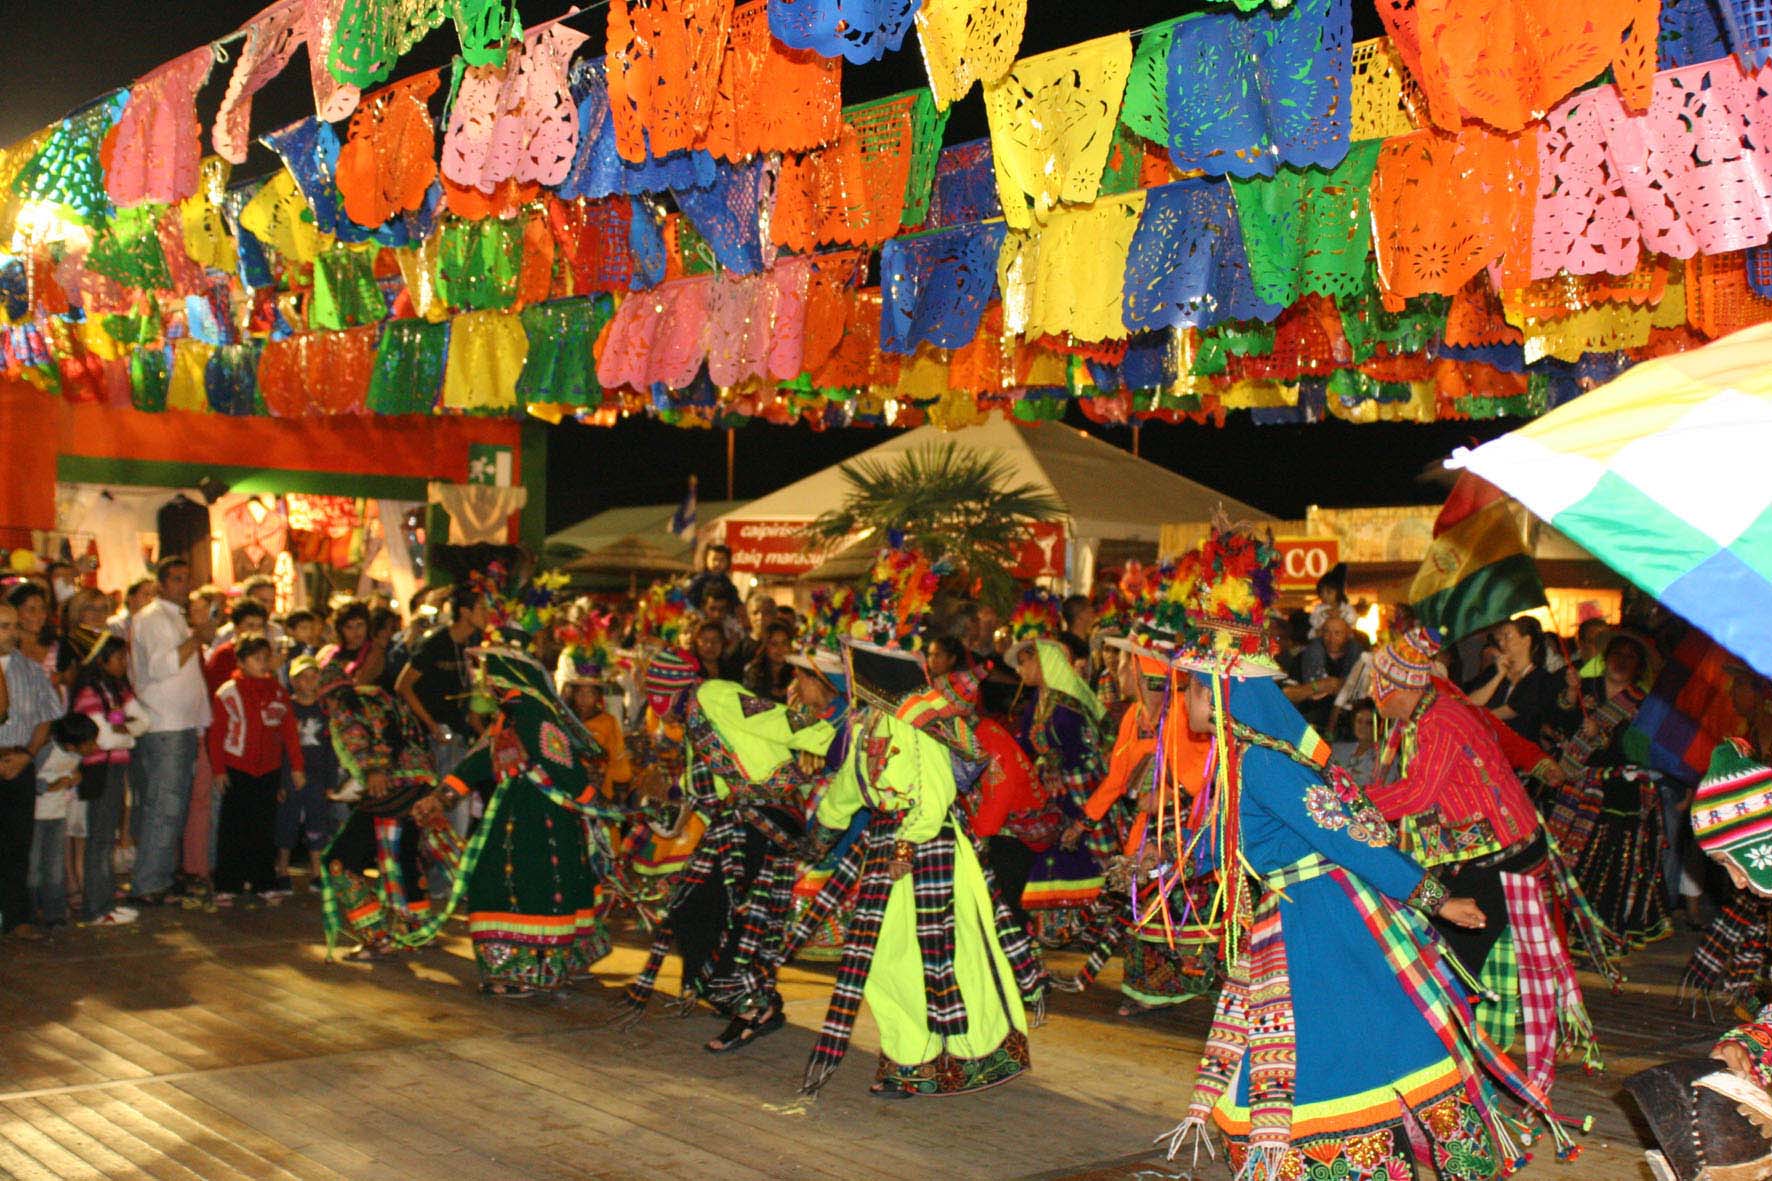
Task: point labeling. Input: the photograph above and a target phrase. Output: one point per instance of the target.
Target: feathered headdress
(1230, 604)
(1157, 611)
(663, 614)
(519, 616)
(1113, 607)
(832, 618)
(895, 604)
(1037, 616)
(586, 655)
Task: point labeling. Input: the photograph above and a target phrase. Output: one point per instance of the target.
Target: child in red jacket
(253, 733)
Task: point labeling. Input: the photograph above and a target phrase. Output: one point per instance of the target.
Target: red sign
(772, 549)
(1303, 560)
(1042, 554)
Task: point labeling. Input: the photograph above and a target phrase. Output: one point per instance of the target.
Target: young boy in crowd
(253, 736)
(72, 737)
(303, 629)
(585, 698)
(306, 811)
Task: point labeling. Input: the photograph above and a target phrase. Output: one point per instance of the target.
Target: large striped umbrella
(1666, 476)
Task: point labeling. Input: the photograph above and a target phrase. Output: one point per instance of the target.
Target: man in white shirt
(166, 664)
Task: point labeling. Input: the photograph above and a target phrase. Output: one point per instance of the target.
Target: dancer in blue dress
(1333, 946)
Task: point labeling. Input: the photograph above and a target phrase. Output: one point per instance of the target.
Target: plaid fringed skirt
(926, 954)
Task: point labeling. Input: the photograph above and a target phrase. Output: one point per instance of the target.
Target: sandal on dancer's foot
(1062, 983)
(742, 1031)
(1131, 1009)
(886, 1090)
(369, 953)
(512, 992)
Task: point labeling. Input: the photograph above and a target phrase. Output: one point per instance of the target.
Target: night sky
(56, 56)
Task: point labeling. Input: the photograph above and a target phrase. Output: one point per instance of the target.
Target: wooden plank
(239, 1039)
(706, 1099)
(656, 1123)
(17, 1165)
(486, 1129)
(629, 1150)
(89, 1118)
(122, 1111)
(98, 1156)
(312, 1128)
(220, 1137)
(378, 1103)
(329, 1128)
(31, 1064)
(94, 1026)
(76, 1043)
(164, 1035)
(34, 1143)
(275, 1157)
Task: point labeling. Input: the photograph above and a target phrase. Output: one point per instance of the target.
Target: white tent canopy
(1108, 494)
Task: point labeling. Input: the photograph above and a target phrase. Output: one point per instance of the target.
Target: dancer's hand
(375, 784)
(898, 869)
(1463, 912)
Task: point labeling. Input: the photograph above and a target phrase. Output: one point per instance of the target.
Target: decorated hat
(896, 602)
(881, 676)
(522, 615)
(662, 615)
(1732, 812)
(832, 618)
(1038, 616)
(670, 675)
(335, 674)
(824, 664)
(1157, 609)
(1113, 605)
(1407, 662)
(1229, 605)
(944, 712)
(586, 657)
(1652, 658)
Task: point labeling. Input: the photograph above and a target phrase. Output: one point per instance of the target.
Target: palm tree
(949, 502)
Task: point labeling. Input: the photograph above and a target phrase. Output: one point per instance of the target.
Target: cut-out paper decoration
(861, 31)
(664, 72)
(1186, 266)
(968, 41)
(1052, 124)
(1507, 62)
(158, 140)
(1246, 93)
(934, 286)
(771, 98)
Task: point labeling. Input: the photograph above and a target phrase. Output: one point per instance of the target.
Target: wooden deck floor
(201, 1045)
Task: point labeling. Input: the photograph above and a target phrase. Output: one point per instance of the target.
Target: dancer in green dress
(531, 871)
(925, 945)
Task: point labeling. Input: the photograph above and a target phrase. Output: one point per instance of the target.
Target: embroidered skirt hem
(948, 1074)
(1371, 1135)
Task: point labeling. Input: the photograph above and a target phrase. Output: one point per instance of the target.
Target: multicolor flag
(1666, 476)
(1478, 571)
(1690, 709)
